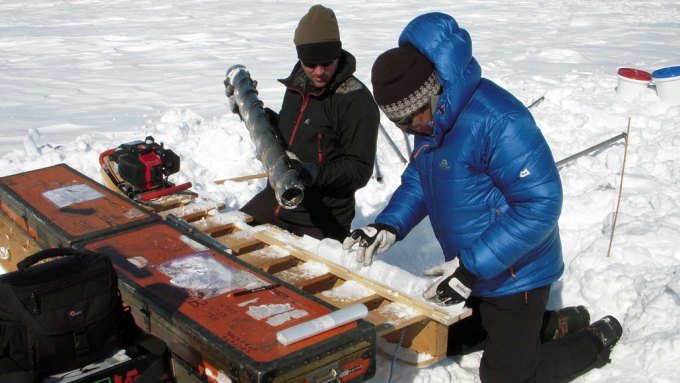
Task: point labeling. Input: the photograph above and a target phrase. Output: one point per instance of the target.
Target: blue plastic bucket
(667, 81)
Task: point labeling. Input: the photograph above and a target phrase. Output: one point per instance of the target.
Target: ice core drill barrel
(283, 178)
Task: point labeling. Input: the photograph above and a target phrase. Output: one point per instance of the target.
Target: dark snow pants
(508, 329)
(262, 208)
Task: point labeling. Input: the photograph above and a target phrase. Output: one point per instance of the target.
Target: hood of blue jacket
(449, 48)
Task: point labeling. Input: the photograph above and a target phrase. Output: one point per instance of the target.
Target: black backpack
(60, 315)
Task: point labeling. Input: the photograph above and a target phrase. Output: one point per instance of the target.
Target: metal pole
(378, 175)
(593, 148)
(283, 178)
(392, 144)
(407, 140)
(540, 100)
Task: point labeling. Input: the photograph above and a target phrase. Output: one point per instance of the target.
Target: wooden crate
(59, 206)
(220, 334)
(15, 243)
(276, 251)
(421, 328)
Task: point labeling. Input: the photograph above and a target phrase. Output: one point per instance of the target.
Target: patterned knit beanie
(317, 36)
(403, 81)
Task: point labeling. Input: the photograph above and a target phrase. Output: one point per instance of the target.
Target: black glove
(307, 172)
(376, 238)
(454, 286)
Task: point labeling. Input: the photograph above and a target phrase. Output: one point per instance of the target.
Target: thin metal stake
(392, 144)
(540, 100)
(396, 352)
(377, 174)
(564, 161)
(407, 140)
(618, 202)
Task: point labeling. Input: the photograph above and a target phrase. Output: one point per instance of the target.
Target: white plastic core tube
(321, 324)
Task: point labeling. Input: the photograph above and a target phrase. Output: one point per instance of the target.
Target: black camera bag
(60, 315)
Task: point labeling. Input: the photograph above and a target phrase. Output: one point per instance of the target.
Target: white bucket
(667, 81)
(632, 82)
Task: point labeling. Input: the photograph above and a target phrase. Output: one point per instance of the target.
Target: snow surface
(82, 76)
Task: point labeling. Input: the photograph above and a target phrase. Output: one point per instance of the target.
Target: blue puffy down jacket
(486, 178)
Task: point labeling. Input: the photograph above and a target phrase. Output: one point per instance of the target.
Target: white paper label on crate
(282, 318)
(321, 324)
(72, 194)
(133, 213)
(264, 311)
(138, 261)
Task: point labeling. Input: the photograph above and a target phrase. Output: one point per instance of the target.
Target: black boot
(605, 332)
(567, 320)
(608, 331)
(589, 348)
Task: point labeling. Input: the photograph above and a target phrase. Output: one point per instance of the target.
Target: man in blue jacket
(483, 174)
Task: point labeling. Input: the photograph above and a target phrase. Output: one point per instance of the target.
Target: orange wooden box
(59, 206)
(218, 332)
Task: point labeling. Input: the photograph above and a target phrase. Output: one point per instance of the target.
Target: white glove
(454, 285)
(375, 238)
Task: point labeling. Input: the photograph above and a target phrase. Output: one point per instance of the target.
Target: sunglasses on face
(408, 120)
(310, 65)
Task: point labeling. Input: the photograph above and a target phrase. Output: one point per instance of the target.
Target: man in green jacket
(329, 125)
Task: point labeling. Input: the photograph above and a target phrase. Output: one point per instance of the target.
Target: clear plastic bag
(205, 277)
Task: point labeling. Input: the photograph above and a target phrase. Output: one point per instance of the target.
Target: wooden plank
(424, 328)
(349, 293)
(305, 274)
(320, 283)
(422, 341)
(275, 236)
(221, 223)
(270, 259)
(171, 201)
(425, 337)
(242, 178)
(407, 355)
(422, 336)
(396, 315)
(15, 244)
(193, 211)
(241, 241)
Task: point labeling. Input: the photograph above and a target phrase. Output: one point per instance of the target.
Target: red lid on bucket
(635, 74)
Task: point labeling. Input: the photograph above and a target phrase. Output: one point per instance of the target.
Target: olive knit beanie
(403, 81)
(317, 36)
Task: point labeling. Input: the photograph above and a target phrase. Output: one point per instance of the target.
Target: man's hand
(307, 172)
(454, 285)
(373, 239)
